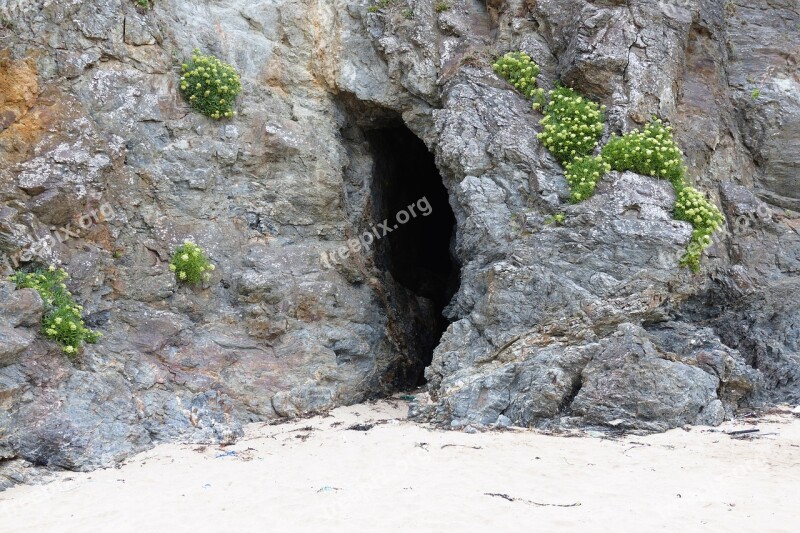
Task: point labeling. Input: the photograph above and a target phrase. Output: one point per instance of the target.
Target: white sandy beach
(318, 475)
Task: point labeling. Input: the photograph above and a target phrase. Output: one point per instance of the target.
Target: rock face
(105, 169)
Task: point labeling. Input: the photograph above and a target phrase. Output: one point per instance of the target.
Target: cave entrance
(409, 197)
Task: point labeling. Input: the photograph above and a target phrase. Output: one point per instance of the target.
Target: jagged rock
(632, 378)
(20, 308)
(13, 343)
(764, 326)
(19, 312)
(18, 471)
(629, 382)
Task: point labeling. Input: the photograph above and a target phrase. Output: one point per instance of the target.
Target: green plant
(583, 174)
(692, 207)
(442, 6)
(407, 13)
(62, 320)
(210, 85)
(756, 94)
(143, 3)
(190, 264)
(556, 219)
(653, 152)
(650, 152)
(518, 69)
(382, 4)
(572, 124)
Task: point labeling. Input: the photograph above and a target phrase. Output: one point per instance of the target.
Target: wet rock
(763, 327)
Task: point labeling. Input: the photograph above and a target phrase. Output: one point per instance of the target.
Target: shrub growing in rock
(650, 152)
(381, 4)
(556, 220)
(653, 152)
(572, 124)
(190, 264)
(518, 69)
(692, 206)
(583, 174)
(442, 6)
(210, 85)
(62, 320)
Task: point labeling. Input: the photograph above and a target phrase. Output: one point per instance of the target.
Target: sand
(318, 475)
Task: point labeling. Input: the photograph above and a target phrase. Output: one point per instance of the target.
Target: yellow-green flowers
(693, 207)
(210, 85)
(653, 152)
(442, 6)
(381, 4)
(582, 175)
(649, 152)
(62, 320)
(518, 69)
(556, 219)
(572, 128)
(190, 264)
(572, 125)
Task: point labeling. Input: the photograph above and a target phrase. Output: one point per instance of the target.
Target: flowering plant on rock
(705, 218)
(583, 174)
(650, 152)
(62, 320)
(572, 123)
(210, 85)
(190, 264)
(521, 72)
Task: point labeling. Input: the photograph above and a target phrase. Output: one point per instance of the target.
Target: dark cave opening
(409, 197)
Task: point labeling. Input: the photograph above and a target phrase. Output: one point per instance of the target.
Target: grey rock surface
(589, 322)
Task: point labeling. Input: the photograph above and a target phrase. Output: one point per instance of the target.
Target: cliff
(550, 313)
